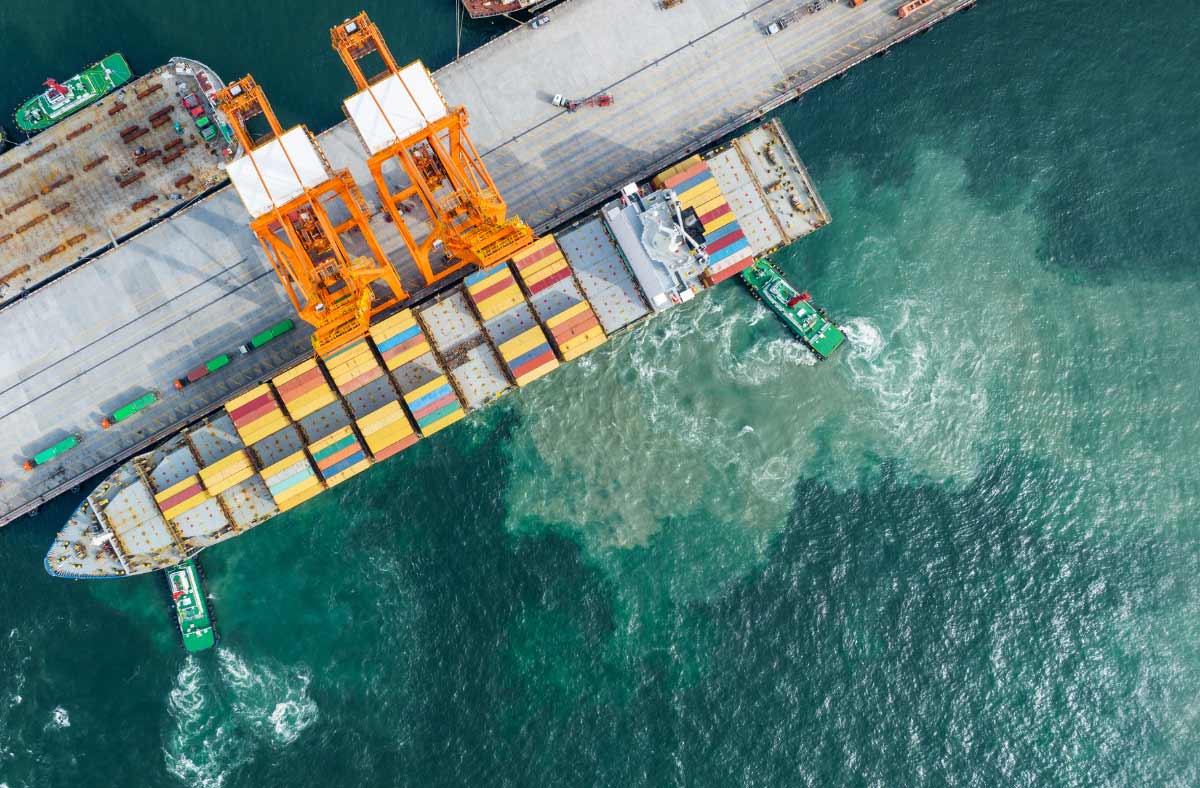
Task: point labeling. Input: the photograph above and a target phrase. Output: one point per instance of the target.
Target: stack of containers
(226, 472)
(556, 298)
(506, 315)
(256, 414)
(339, 456)
(434, 405)
(291, 481)
(694, 185)
(352, 367)
(399, 339)
(387, 431)
(303, 389)
(181, 497)
(493, 291)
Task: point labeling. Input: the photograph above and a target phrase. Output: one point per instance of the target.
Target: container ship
(62, 99)
(502, 309)
(796, 309)
(105, 168)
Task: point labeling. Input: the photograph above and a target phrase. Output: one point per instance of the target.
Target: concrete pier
(197, 284)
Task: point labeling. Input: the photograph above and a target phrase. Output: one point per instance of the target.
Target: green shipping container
(127, 410)
(217, 363)
(62, 447)
(280, 328)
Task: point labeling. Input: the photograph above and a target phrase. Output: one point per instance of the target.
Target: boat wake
(222, 715)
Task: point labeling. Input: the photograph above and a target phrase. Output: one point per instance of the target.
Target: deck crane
(308, 218)
(402, 119)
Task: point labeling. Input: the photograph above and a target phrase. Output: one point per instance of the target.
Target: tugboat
(191, 609)
(66, 98)
(807, 321)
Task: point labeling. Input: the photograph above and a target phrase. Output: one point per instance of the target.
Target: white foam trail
(223, 715)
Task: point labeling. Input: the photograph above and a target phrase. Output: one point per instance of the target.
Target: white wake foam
(223, 715)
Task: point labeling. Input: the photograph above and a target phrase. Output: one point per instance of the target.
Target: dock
(196, 285)
(103, 174)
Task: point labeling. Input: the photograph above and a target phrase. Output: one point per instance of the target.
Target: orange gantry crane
(311, 220)
(406, 127)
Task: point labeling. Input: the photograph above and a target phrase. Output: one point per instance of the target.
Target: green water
(963, 552)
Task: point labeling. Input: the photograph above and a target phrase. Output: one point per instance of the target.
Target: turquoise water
(962, 553)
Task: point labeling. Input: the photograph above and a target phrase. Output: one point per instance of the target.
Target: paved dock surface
(61, 193)
(197, 285)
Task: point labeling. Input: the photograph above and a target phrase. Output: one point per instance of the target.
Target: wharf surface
(197, 284)
(76, 189)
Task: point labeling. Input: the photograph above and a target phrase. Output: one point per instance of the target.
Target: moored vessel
(62, 99)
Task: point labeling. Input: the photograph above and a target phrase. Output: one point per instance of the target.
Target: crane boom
(406, 127)
(293, 197)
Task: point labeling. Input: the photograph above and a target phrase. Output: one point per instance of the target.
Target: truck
(212, 365)
(129, 409)
(265, 336)
(57, 450)
(572, 105)
(793, 16)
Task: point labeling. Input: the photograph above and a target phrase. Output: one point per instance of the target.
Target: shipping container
(57, 450)
(399, 339)
(387, 431)
(303, 389)
(557, 300)
(339, 456)
(181, 497)
(256, 414)
(434, 405)
(353, 367)
(292, 480)
(129, 409)
(226, 472)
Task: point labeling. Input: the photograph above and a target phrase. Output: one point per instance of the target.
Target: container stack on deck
(510, 324)
(557, 300)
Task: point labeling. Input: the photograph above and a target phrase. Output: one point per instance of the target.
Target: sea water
(963, 551)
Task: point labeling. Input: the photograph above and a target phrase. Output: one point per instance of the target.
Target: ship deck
(196, 285)
(63, 199)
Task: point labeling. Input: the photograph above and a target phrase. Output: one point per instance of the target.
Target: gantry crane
(402, 119)
(293, 195)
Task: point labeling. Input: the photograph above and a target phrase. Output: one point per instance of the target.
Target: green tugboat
(807, 321)
(191, 609)
(65, 98)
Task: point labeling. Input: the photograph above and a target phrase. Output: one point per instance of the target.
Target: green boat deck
(97, 80)
(807, 322)
(191, 609)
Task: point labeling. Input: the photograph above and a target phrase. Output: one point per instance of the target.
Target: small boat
(191, 608)
(62, 99)
(806, 320)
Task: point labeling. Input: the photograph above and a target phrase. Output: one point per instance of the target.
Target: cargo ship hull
(62, 100)
(283, 441)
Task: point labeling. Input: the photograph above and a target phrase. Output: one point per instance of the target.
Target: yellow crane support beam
(403, 120)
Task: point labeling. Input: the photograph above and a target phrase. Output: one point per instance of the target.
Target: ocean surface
(964, 552)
